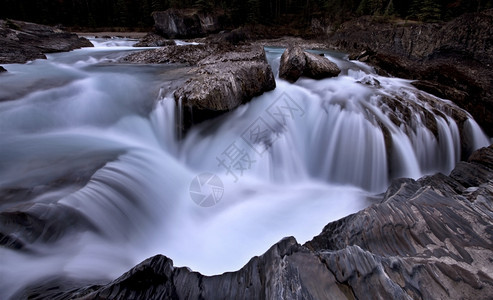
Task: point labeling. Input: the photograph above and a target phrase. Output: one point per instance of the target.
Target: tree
(204, 5)
(426, 11)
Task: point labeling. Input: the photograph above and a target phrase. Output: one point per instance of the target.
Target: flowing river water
(285, 164)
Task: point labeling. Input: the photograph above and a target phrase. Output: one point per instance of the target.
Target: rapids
(285, 164)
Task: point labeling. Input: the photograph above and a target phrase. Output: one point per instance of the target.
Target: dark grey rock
(319, 67)
(452, 60)
(296, 63)
(186, 23)
(223, 82)
(154, 40)
(2, 69)
(293, 62)
(225, 77)
(22, 41)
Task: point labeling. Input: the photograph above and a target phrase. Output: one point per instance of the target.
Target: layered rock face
(451, 60)
(224, 77)
(426, 239)
(186, 23)
(296, 63)
(223, 82)
(22, 41)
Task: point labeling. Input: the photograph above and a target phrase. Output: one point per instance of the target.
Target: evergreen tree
(122, 9)
(426, 11)
(389, 10)
(204, 5)
(253, 11)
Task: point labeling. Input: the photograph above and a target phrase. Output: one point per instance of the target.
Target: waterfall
(91, 150)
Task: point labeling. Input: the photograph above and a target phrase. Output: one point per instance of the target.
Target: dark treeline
(137, 13)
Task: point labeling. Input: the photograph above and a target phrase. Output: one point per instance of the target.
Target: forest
(137, 13)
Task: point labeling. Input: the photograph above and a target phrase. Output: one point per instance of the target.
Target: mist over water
(288, 162)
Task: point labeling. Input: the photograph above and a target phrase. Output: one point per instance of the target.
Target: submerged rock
(426, 239)
(22, 41)
(296, 63)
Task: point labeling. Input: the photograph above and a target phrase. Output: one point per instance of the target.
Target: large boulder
(222, 83)
(425, 239)
(22, 41)
(296, 63)
(319, 67)
(293, 62)
(186, 23)
(224, 77)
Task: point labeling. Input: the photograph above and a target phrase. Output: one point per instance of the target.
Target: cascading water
(286, 163)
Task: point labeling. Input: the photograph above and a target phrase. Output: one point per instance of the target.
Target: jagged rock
(153, 40)
(319, 67)
(186, 23)
(296, 63)
(2, 69)
(223, 82)
(454, 60)
(426, 239)
(22, 41)
(293, 62)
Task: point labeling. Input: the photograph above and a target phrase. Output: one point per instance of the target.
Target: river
(96, 179)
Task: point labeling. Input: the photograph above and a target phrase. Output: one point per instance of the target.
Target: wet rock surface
(223, 82)
(296, 63)
(451, 60)
(293, 63)
(224, 77)
(427, 239)
(22, 41)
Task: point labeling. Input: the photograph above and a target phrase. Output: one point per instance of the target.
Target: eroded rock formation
(186, 23)
(22, 41)
(223, 82)
(452, 60)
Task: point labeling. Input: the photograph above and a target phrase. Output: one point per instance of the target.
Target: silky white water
(285, 164)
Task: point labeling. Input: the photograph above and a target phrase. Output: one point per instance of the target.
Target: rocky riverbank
(21, 42)
(452, 60)
(426, 239)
